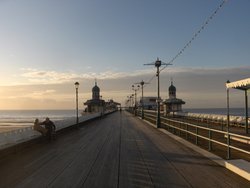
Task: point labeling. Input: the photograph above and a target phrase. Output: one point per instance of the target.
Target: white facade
(149, 103)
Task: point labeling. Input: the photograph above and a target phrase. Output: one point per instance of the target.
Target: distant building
(149, 103)
(172, 104)
(95, 104)
(112, 105)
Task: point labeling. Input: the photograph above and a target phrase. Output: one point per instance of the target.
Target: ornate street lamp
(228, 124)
(157, 64)
(77, 118)
(142, 98)
(135, 89)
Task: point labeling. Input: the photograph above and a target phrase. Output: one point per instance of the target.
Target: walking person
(50, 126)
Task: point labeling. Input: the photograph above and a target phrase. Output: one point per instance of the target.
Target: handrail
(205, 138)
(208, 129)
(151, 114)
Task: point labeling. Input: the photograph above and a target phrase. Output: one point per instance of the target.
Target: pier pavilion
(96, 104)
(172, 104)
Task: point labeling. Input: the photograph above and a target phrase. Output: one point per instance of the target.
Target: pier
(117, 150)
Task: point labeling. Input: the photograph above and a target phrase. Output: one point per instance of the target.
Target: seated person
(39, 128)
(51, 128)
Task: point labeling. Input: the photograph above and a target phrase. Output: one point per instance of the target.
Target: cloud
(32, 95)
(42, 93)
(199, 87)
(47, 77)
(188, 79)
(35, 76)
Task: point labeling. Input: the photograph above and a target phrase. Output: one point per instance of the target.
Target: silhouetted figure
(39, 128)
(50, 126)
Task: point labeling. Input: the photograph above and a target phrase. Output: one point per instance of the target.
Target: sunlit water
(25, 118)
(12, 119)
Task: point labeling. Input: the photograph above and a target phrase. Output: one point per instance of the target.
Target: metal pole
(158, 120)
(209, 142)
(77, 118)
(131, 103)
(135, 101)
(142, 103)
(196, 133)
(246, 104)
(135, 98)
(228, 124)
(157, 64)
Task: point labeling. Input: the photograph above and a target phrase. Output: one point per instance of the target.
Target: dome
(172, 91)
(96, 92)
(172, 88)
(95, 89)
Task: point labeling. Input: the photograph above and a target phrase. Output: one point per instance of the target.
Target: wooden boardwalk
(115, 151)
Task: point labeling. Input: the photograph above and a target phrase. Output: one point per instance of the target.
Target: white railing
(17, 136)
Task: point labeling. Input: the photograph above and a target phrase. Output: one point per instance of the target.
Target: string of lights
(197, 33)
(203, 26)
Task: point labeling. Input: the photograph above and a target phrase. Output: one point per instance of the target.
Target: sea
(10, 119)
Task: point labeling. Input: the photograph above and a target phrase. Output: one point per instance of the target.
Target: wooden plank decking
(115, 151)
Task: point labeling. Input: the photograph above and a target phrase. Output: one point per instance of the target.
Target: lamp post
(128, 102)
(135, 89)
(77, 118)
(142, 98)
(158, 64)
(246, 106)
(228, 124)
(132, 102)
(158, 121)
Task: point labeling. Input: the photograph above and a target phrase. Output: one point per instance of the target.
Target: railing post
(180, 129)
(209, 142)
(228, 124)
(246, 104)
(196, 138)
(186, 132)
(228, 147)
(168, 128)
(175, 130)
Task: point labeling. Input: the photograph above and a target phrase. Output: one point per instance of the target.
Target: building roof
(94, 102)
(174, 101)
(240, 84)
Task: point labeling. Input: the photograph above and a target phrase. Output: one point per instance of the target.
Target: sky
(46, 46)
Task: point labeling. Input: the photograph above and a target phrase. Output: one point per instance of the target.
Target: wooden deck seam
(91, 168)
